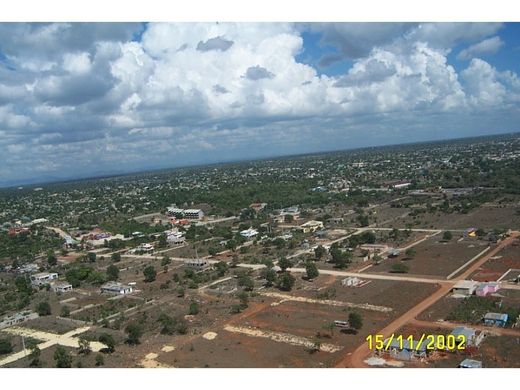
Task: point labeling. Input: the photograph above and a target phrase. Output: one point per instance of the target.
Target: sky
(90, 99)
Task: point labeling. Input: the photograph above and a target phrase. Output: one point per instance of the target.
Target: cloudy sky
(86, 99)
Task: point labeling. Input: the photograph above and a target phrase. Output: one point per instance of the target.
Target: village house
(198, 264)
(61, 287)
(43, 278)
(17, 318)
(405, 350)
(486, 288)
(465, 287)
(310, 226)
(496, 319)
(249, 233)
(116, 288)
(470, 363)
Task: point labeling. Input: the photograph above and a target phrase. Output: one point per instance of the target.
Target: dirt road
(453, 325)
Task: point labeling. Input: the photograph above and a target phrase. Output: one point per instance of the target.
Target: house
(175, 237)
(486, 288)
(374, 247)
(470, 363)
(469, 334)
(17, 318)
(257, 206)
(193, 214)
(43, 278)
(351, 281)
(175, 212)
(147, 248)
(293, 211)
(198, 264)
(496, 319)
(465, 287)
(404, 349)
(249, 233)
(310, 226)
(61, 287)
(116, 288)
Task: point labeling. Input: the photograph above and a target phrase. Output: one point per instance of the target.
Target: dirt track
(356, 359)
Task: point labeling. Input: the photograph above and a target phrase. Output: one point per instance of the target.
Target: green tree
(52, 260)
(34, 356)
(194, 308)
(5, 347)
(168, 324)
(116, 257)
(399, 268)
(410, 252)
(65, 311)
(285, 263)
(109, 341)
(162, 243)
(319, 252)
(149, 273)
(311, 270)
(134, 333)
(43, 309)
(247, 282)
(269, 275)
(244, 299)
(447, 235)
(84, 346)
(212, 251)
(91, 256)
(165, 261)
(355, 321)
(222, 268)
(100, 360)
(62, 358)
(286, 281)
(180, 292)
(112, 272)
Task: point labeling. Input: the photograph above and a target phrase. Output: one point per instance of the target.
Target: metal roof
(496, 316)
(470, 363)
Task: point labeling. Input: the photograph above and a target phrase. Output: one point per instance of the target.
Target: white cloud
(77, 63)
(482, 84)
(486, 47)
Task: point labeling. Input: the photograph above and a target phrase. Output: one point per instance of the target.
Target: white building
(147, 248)
(198, 264)
(61, 287)
(249, 233)
(116, 288)
(351, 282)
(175, 237)
(465, 287)
(43, 278)
(193, 214)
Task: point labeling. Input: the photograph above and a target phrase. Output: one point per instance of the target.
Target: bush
(194, 308)
(399, 268)
(43, 309)
(446, 236)
(149, 273)
(5, 347)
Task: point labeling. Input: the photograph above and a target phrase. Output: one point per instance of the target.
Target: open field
(508, 258)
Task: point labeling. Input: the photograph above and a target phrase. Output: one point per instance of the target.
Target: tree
(112, 272)
(316, 345)
(355, 321)
(330, 326)
(319, 252)
(194, 308)
(269, 275)
(65, 311)
(35, 357)
(244, 299)
(62, 357)
(212, 251)
(399, 268)
(288, 218)
(116, 257)
(149, 273)
(100, 360)
(52, 260)
(339, 258)
(91, 256)
(134, 333)
(109, 341)
(286, 281)
(247, 282)
(222, 268)
(165, 261)
(5, 347)
(410, 252)
(168, 324)
(84, 346)
(180, 292)
(43, 308)
(447, 235)
(311, 270)
(162, 241)
(285, 263)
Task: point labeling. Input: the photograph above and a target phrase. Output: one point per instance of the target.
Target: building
(257, 206)
(486, 288)
(175, 212)
(293, 211)
(351, 281)
(116, 288)
(43, 278)
(404, 350)
(193, 214)
(310, 226)
(249, 233)
(17, 318)
(465, 287)
(198, 264)
(61, 287)
(374, 247)
(470, 363)
(147, 248)
(175, 237)
(496, 319)
(470, 336)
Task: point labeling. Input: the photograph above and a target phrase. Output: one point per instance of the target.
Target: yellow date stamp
(429, 342)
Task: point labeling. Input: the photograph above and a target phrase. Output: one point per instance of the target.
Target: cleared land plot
(507, 258)
(51, 324)
(434, 257)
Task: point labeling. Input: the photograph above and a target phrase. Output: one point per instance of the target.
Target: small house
(469, 334)
(470, 363)
(43, 278)
(496, 319)
(249, 233)
(61, 287)
(465, 287)
(116, 288)
(351, 281)
(404, 349)
(484, 289)
(197, 264)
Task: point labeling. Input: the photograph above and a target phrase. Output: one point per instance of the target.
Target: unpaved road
(453, 325)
